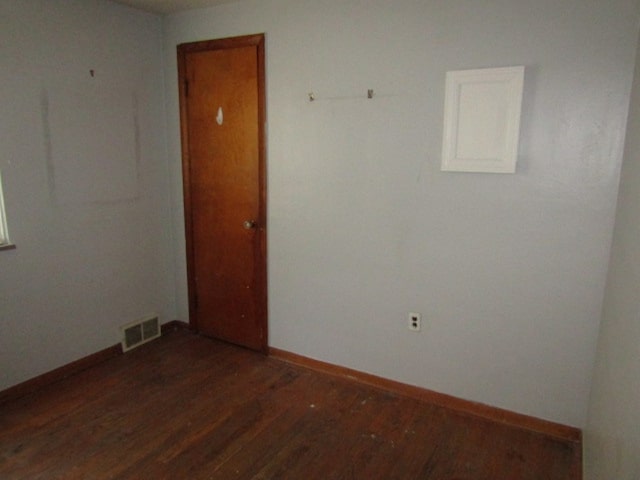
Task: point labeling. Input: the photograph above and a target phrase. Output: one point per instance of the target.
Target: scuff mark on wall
(137, 148)
(46, 137)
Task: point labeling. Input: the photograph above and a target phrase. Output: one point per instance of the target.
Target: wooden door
(222, 110)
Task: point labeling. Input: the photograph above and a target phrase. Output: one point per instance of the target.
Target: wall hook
(370, 93)
(312, 96)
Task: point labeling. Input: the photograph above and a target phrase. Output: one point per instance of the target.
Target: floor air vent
(142, 331)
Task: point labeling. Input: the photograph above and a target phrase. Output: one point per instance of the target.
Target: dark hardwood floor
(186, 407)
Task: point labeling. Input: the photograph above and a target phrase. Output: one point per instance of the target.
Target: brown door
(222, 111)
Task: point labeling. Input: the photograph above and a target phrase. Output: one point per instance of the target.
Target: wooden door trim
(257, 40)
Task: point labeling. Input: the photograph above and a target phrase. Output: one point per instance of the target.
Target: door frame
(260, 246)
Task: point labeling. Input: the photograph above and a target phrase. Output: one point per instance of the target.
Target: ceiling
(170, 6)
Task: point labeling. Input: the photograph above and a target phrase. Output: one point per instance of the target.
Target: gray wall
(507, 270)
(612, 435)
(83, 162)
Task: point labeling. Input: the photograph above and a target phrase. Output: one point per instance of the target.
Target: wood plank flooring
(187, 407)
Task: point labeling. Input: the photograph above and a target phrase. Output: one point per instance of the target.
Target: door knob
(249, 224)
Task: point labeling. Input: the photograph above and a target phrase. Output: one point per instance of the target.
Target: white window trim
(4, 232)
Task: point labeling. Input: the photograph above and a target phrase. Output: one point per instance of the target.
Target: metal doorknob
(249, 224)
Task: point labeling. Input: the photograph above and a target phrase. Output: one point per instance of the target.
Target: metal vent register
(139, 332)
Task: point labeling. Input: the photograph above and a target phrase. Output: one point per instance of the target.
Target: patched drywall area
(83, 161)
(92, 142)
(508, 271)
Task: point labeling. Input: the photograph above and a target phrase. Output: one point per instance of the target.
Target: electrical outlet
(415, 319)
